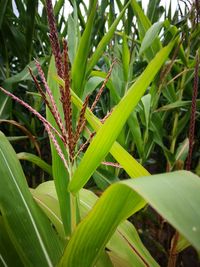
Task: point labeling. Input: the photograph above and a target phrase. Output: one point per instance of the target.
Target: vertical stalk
(73, 206)
(193, 113)
(173, 253)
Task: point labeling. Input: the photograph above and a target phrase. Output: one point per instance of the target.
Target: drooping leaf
(36, 160)
(122, 241)
(174, 195)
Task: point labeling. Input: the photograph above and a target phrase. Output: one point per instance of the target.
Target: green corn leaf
(136, 132)
(28, 228)
(8, 253)
(174, 195)
(91, 85)
(126, 243)
(152, 9)
(79, 66)
(104, 261)
(133, 168)
(143, 25)
(122, 241)
(150, 36)
(50, 206)
(32, 6)
(125, 57)
(132, 121)
(146, 103)
(36, 160)
(24, 75)
(58, 5)
(73, 33)
(177, 104)
(104, 139)
(46, 197)
(130, 165)
(103, 178)
(182, 150)
(117, 260)
(60, 174)
(104, 41)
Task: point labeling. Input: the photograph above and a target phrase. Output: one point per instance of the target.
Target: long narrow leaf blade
(143, 26)
(60, 175)
(131, 166)
(105, 40)
(79, 65)
(108, 133)
(36, 160)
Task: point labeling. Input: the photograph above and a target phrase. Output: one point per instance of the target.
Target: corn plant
(62, 224)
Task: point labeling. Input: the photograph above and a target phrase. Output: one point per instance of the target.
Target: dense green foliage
(146, 120)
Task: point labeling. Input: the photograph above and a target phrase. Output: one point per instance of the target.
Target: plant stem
(173, 253)
(193, 113)
(73, 205)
